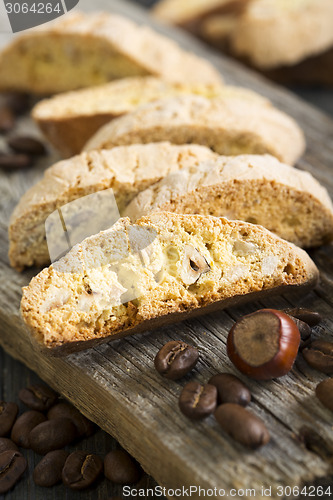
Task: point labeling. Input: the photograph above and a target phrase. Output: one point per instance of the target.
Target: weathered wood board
(116, 386)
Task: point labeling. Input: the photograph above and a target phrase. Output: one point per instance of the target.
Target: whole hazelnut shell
(280, 330)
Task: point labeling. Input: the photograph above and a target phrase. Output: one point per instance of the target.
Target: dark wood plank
(115, 384)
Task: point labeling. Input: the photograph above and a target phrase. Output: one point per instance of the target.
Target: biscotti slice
(81, 50)
(127, 170)
(189, 14)
(283, 32)
(257, 189)
(68, 120)
(164, 268)
(229, 125)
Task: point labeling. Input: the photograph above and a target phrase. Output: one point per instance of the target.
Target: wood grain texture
(116, 386)
(100, 443)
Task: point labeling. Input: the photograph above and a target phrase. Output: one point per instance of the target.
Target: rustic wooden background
(116, 384)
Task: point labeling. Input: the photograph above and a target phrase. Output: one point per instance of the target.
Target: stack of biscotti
(126, 170)
(288, 39)
(70, 119)
(164, 268)
(81, 50)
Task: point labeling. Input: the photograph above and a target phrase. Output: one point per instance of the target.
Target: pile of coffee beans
(22, 150)
(226, 396)
(47, 427)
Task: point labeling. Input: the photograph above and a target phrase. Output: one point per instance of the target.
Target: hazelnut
(264, 345)
(193, 266)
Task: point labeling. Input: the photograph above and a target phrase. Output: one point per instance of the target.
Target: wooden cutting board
(116, 386)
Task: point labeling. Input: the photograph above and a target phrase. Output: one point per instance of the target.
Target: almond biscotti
(81, 50)
(69, 120)
(283, 32)
(257, 189)
(189, 14)
(127, 170)
(164, 268)
(229, 125)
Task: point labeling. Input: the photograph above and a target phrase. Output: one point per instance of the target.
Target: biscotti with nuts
(81, 50)
(69, 120)
(229, 125)
(127, 170)
(164, 268)
(257, 189)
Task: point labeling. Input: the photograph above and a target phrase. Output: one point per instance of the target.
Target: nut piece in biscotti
(81, 50)
(190, 14)
(70, 119)
(229, 125)
(166, 267)
(127, 170)
(254, 188)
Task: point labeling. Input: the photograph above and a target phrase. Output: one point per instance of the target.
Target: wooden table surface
(285, 405)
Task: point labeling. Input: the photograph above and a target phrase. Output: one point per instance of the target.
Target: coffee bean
(52, 435)
(230, 389)
(319, 355)
(38, 397)
(121, 468)
(324, 392)
(24, 425)
(19, 103)
(12, 466)
(81, 470)
(48, 471)
(25, 144)
(304, 328)
(15, 162)
(7, 119)
(198, 401)
(315, 443)
(241, 425)
(85, 427)
(312, 318)
(175, 359)
(7, 444)
(8, 414)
